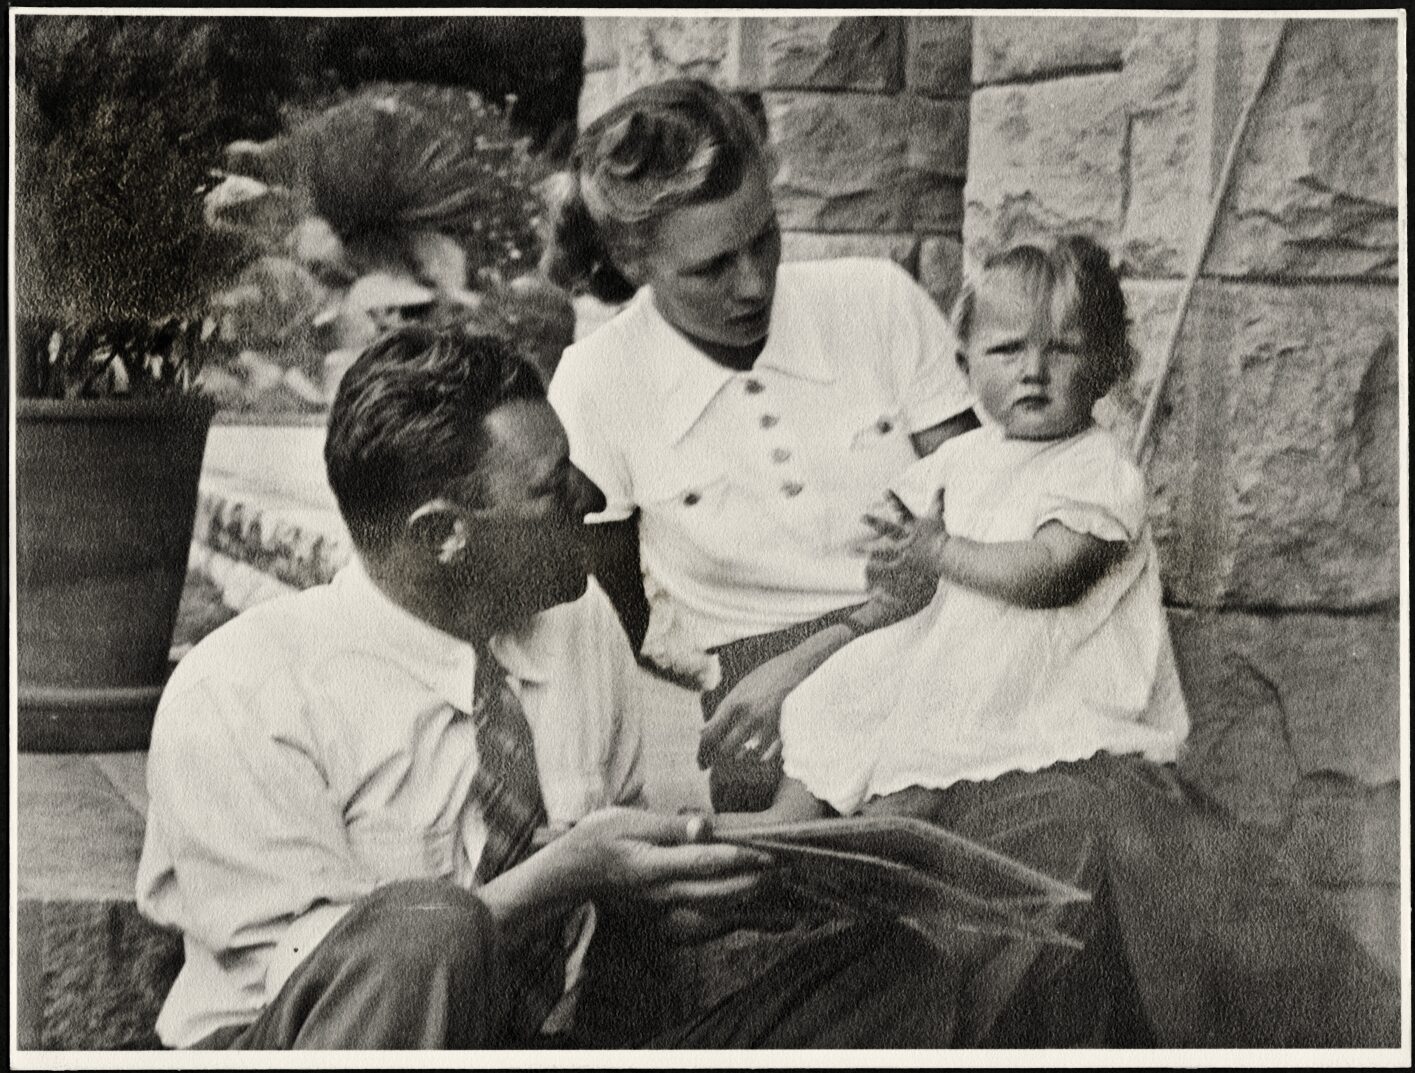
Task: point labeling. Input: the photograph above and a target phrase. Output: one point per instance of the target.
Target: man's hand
(627, 854)
(620, 852)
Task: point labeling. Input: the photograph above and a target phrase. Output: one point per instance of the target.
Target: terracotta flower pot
(105, 493)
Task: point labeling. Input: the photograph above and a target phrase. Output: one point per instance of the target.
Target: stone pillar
(1275, 482)
(867, 116)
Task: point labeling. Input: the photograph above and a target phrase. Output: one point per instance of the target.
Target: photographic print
(761, 538)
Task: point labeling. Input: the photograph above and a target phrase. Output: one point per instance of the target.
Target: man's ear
(439, 528)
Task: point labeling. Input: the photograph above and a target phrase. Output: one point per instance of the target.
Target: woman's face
(713, 266)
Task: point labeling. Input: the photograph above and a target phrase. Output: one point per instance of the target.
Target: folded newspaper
(908, 870)
(912, 871)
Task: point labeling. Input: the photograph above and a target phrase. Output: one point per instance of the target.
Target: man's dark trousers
(420, 964)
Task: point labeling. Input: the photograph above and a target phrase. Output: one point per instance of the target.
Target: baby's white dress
(972, 687)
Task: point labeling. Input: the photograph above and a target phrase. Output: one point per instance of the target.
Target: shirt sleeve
(254, 844)
(624, 774)
(1094, 489)
(922, 344)
(589, 426)
(919, 485)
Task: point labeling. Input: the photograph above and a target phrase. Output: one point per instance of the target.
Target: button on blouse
(750, 487)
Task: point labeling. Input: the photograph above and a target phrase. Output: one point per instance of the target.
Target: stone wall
(1276, 473)
(1275, 479)
(867, 116)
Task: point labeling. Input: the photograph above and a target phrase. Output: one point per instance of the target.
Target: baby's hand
(904, 555)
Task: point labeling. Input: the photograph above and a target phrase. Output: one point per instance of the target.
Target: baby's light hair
(1074, 277)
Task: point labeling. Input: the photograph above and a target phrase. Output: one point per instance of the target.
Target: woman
(741, 415)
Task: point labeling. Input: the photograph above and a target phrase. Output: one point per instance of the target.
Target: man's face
(527, 543)
(713, 266)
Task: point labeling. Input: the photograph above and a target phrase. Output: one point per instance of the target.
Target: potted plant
(119, 122)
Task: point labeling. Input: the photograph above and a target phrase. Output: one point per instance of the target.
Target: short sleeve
(918, 486)
(589, 425)
(923, 346)
(1093, 489)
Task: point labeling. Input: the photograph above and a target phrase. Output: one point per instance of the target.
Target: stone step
(91, 973)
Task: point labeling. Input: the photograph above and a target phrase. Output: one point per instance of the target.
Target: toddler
(1044, 639)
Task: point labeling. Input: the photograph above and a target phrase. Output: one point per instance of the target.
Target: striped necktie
(507, 784)
(507, 790)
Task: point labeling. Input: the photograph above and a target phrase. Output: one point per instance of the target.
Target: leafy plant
(391, 164)
(119, 122)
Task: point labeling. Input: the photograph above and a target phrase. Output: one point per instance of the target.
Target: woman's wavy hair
(663, 147)
(1074, 279)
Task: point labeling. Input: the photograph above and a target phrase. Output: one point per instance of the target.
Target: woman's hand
(745, 723)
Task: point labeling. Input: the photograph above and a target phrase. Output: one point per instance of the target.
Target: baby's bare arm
(1057, 567)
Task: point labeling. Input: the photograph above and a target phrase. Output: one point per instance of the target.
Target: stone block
(77, 835)
(941, 269)
(813, 246)
(1314, 192)
(938, 139)
(1151, 307)
(654, 48)
(28, 953)
(842, 161)
(935, 202)
(103, 973)
(127, 772)
(1169, 105)
(1279, 447)
(862, 54)
(597, 94)
(601, 48)
(1011, 48)
(1310, 503)
(856, 162)
(939, 55)
(1238, 745)
(1046, 159)
(1281, 700)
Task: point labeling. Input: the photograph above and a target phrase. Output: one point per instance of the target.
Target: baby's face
(1026, 372)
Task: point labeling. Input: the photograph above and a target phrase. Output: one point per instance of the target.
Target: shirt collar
(527, 652)
(687, 380)
(446, 664)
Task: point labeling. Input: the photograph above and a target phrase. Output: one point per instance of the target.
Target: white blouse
(973, 687)
(751, 485)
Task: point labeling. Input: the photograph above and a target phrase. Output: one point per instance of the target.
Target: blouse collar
(686, 380)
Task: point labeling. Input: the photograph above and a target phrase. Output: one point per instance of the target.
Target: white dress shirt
(751, 485)
(316, 748)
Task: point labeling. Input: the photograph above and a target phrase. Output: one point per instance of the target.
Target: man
(344, 783)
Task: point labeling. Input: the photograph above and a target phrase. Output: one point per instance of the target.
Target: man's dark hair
(407, 420)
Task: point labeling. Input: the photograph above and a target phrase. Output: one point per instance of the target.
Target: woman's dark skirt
(750, 785)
